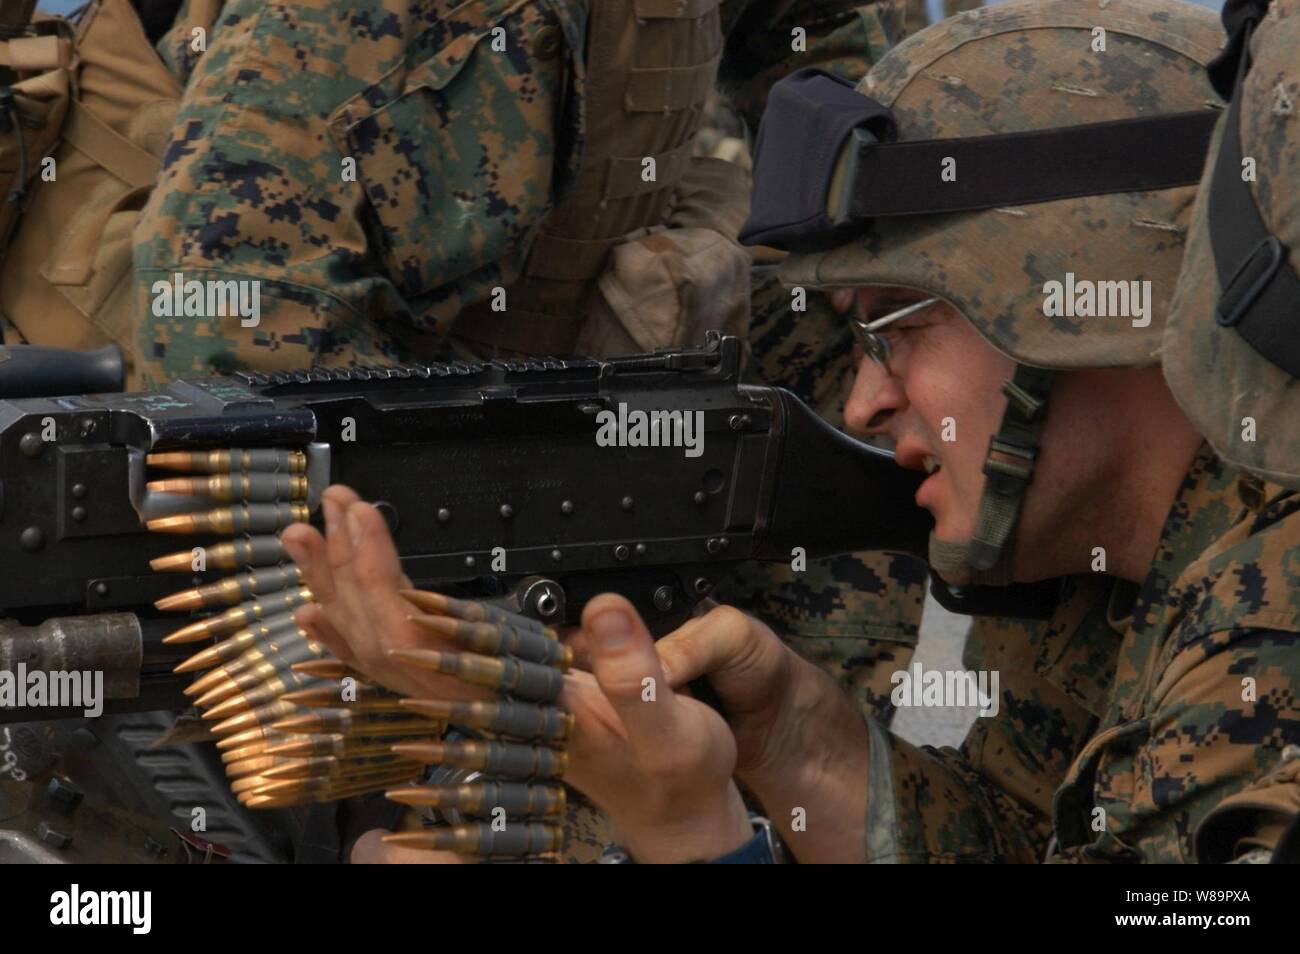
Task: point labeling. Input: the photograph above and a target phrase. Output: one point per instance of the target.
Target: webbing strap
(1009, 466)
(33, 54)
(669, 89)
(91, 135)
(828, 162)
(566, 259)
(1042, 165)
(626, 176)
(1260, 291)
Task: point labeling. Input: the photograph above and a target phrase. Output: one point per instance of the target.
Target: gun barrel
(55, 653)
(28, 371)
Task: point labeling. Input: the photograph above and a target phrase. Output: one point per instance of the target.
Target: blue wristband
(756, 851)
(762, 849)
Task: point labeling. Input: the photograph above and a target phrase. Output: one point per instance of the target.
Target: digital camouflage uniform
(1127, 717)
(1223, 382)
(454, 183)
(1133, 707)
(460, 151)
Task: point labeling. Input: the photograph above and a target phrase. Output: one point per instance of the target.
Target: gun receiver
(490, 475)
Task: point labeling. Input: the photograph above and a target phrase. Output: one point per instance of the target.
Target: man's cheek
(961, 485)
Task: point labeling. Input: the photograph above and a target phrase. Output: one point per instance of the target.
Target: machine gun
(494, 478)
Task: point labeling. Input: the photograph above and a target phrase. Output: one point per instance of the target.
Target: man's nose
(876, 397)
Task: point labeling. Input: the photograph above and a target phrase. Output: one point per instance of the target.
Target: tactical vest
(98, 101)
(650, 65)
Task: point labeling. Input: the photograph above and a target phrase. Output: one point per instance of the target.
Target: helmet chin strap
(951, 561)
(985, 559)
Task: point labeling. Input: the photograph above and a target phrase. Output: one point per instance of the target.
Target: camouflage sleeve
(769, 39)
(928, 805)
(1217, 715)
(991, 800)
(183, 44)
(372, 166)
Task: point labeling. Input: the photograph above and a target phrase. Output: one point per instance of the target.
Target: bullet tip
(177, 602)
(191, 633)
(173, 562)
(177, 523)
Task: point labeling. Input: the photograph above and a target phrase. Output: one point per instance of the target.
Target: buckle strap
(1009, 466)
(1000, 470)
(1028, 404)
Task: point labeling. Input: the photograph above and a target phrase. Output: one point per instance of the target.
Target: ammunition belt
(297, 725)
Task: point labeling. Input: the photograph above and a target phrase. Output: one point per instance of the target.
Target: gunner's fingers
(307, 549)
(378, 572)
(722, 639)
(316, 622)
(375, 560)
(348, 607)
(627, 668)
(335, 502)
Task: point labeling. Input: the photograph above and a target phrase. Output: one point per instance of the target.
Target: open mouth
(926, 494)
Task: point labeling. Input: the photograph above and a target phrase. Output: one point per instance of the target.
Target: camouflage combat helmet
(1026, 67)
(1241, 392)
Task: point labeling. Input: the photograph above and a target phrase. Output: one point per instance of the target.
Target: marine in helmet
(1231, 348)
(1007, 193)
(455, 180)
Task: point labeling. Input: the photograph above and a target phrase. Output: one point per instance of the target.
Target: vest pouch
(665, 287)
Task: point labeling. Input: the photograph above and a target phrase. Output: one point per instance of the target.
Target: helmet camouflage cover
(1032, 65)
(1246, 406)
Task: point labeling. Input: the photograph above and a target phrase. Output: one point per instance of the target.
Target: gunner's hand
(360, 615)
